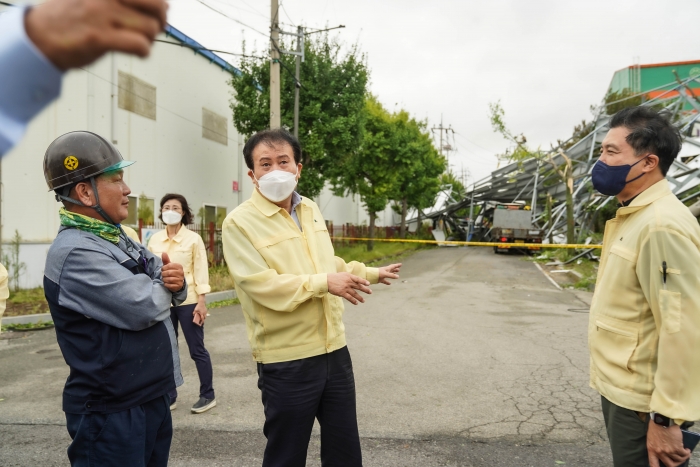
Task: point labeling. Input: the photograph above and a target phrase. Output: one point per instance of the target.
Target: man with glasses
(110, 300)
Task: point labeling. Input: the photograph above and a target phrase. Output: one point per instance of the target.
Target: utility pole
(533, 205)
(471, 214)
(445, 146)
(297, 84)
(275, 120)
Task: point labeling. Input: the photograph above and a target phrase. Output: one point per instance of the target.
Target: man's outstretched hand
(173, 275)
(389, 272)
(346, 285)
(75, 33)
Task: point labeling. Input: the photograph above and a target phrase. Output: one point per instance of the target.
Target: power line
(472, 157)
(324, 30)
(181, 44)
(232, 19)
(244, 10)
(471, 142)
(251, 6)
(287, 14)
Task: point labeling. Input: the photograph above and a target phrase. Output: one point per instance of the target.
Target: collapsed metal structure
(532, 181)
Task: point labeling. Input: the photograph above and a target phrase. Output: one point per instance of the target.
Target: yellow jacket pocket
(614, 346)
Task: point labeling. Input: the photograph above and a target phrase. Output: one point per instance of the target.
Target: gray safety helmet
(77, 157)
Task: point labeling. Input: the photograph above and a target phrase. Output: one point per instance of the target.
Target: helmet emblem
(71, 162)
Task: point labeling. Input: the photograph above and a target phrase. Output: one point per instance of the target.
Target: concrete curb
(211, 297)
(26, 319)
(218, 296)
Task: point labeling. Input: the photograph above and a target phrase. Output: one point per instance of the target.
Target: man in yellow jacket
(644, 331)
(290, 285)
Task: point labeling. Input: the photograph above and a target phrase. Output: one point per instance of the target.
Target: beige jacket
(187, 249)
(281, 279)
(644, 336)
(131, 233)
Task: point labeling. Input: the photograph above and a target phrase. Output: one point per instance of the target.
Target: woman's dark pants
(194, 336)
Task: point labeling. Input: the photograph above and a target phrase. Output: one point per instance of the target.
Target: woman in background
(187, 248)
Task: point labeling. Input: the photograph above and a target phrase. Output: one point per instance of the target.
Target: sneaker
(173, 405)
(203, 404)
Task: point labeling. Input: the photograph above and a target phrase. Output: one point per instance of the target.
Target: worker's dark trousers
(194, 336)
(627, 433)
(296, 392)
(137, 437)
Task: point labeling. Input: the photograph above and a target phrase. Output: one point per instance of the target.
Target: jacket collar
(267, 207)
(656, 191)
(179, 235)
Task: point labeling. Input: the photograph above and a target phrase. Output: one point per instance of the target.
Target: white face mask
(277, 185)
(171, 217)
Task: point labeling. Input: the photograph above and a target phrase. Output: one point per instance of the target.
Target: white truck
(513, 224)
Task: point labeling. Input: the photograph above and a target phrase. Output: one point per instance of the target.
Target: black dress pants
(194, 336)
(294, 393)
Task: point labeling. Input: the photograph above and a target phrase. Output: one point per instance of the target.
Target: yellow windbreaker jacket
(644, 335)
(280, 273)
(187, 249)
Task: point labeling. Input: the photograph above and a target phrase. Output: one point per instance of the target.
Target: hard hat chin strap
(96, 207)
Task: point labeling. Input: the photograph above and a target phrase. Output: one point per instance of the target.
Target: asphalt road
(470, 359)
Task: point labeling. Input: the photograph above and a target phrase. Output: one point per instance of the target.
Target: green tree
(371, 170)
(459, 191)
(418, 167)
(145, 210)
(331, 105)
(521, 153)
(618, 100)
(14, 266)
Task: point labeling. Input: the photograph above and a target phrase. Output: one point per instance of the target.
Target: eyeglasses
(171, 208)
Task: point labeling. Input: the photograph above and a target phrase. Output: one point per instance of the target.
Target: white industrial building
(170, 113)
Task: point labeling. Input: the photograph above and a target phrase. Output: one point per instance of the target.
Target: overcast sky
(547, 61)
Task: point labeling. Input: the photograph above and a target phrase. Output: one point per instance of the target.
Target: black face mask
(610, 180)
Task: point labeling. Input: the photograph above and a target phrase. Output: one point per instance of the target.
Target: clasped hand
(666, 445)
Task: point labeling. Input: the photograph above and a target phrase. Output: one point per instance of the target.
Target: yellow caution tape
(528, 246)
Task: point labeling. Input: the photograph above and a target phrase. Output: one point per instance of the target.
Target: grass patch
(587, 268)
(27, 302)
(223, 303)
(220, 279)
(23, 296)
(28, 326)
(382, 253)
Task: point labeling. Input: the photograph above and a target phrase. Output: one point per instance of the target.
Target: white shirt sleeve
(28, 80)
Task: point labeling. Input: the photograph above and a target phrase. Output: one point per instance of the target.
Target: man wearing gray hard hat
(110, 300)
